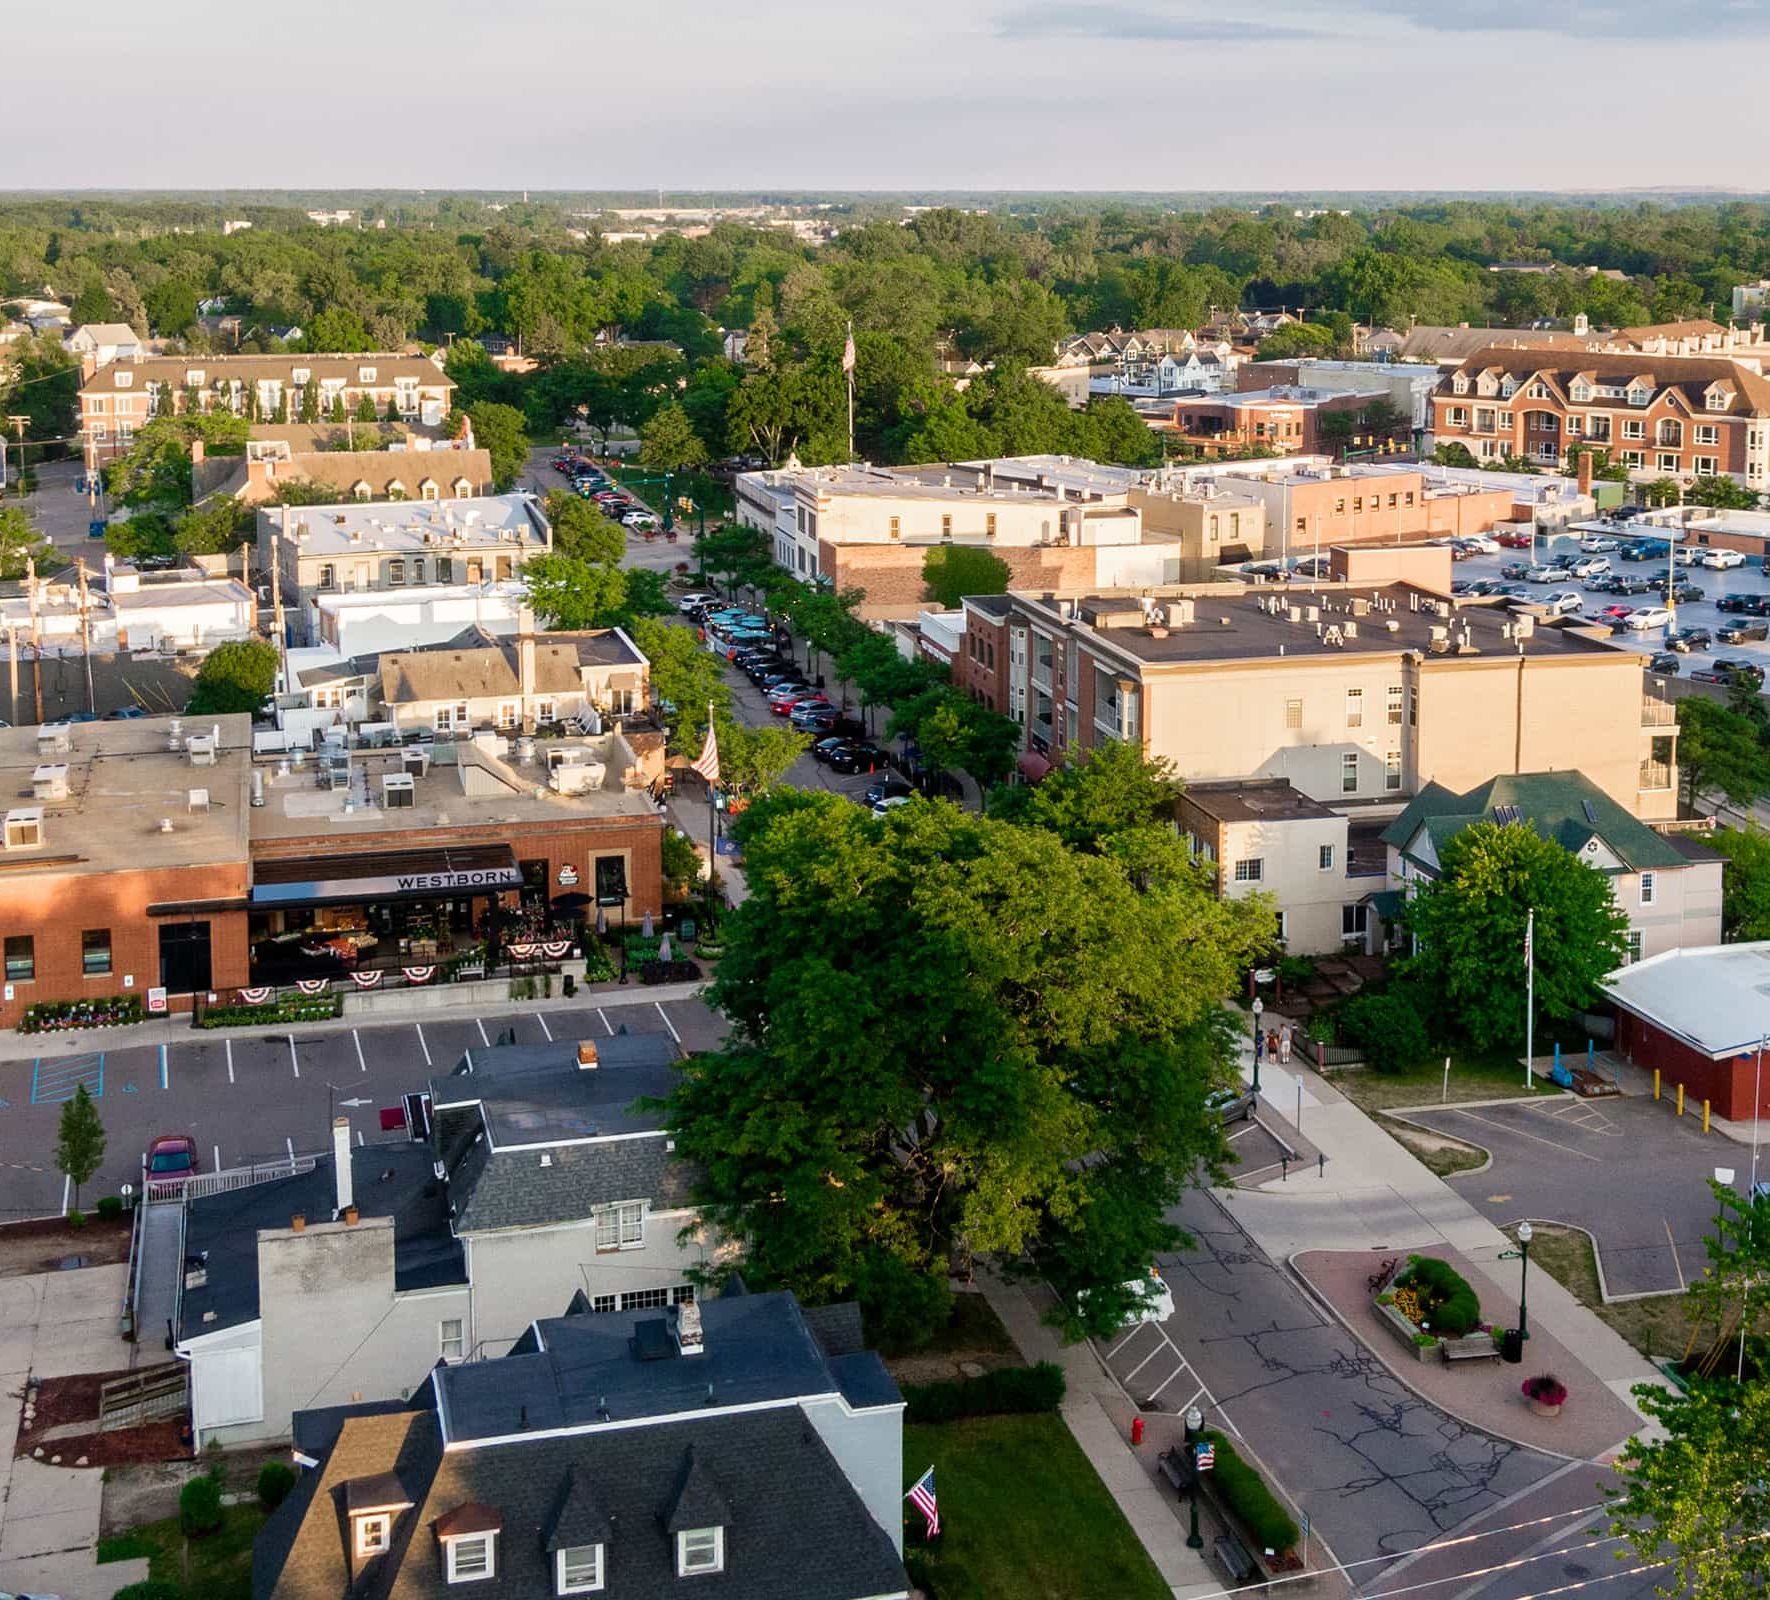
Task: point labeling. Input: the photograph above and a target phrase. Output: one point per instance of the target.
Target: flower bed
(56, 1016)
(1430, 1304)
(1239, 1490)
(297, 1008)
(668, 972)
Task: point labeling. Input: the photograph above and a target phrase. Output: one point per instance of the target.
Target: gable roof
(1688, 376)
(410, 677)
(1566, 807)
(388, 365)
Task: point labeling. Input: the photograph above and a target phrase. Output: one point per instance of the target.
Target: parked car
(856, 755)
(1746, 603)
(1515, 539)
(1152, 1300)
(1742, 630)
(1731, 670)
(827, 747)
(782, 700)
(1589, 566)
(1686, 640)
(886, 788)
(1563, 602)
(1648, 617)
(1595, 544)
(1615, 613)
(884, 808)
(1720, 560)
(693, 600)
(1685, 594)
(1232, 1105)
(172, 1158)
(1664, 661)
(1632, 583)
(1512, 591)
(1482, 543)
(1515, 570)
(1543, 575)
(1604, 583)
(125, 714)
(1645, 550)
(808, 712)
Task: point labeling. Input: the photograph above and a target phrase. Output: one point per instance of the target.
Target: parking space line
(293, 1062)
(479, 1022)
(1553, 1144)
(1136, 1329)
(421, 1044)
(230, 1059)
(1677, 1265)
(164, 1083)
(667, 1022)
(357, 1039)
(1147, 1359)
(541, 1017)
(1156, 1391)
(217, 1166)
(290, 1142)
(605, 1022)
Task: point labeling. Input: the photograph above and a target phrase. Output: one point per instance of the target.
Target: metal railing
(1655, 775)
(158, 1191)
(1658, 713)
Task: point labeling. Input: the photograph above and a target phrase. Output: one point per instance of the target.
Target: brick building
(1659, 415)
(1286, 420)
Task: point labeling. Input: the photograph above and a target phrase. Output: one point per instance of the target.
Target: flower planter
(1542, 1409)
(1406, 1332)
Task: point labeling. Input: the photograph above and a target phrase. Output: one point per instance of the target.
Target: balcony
(1655, 775)
(1656, 713)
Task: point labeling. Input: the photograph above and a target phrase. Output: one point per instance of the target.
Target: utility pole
(12, 667)
(276, 601)
(36, 640)
(86, 637)
(18, 425)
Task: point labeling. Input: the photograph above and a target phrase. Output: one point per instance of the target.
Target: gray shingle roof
(701, 1501)
(513, 1189)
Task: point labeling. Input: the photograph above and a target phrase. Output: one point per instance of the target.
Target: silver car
(1232, 1105)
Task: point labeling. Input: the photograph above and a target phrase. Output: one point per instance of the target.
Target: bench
(1176, 1469)
(1469, 1350)
(1235, 1558)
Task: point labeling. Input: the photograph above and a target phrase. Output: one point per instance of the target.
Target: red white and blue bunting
(257, 995)
(366, 980)
(313, 985)
(418, 974)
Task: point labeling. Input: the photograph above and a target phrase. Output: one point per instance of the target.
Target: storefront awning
(1033, 766)
(389, 875)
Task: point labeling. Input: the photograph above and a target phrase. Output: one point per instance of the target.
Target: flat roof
(1256, 800)
(1714, 997)
(418, 526)
(534, 1093)
(466, 786)
(123, 779)
(1257, 624)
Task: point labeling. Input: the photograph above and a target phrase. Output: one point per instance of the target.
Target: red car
(172, 1158)
(1512, 539)
(1614, 613)
(783, 700)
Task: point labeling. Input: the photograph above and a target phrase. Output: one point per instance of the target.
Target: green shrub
(1012, 1389)
(597, 966)
(275, 1480)
(1389, 1028)
(124, 1547)
(1447, 1303)
(76, 1219)
(152, 1589)
(199, 1506)
(1244, 1491)
(110, 1205)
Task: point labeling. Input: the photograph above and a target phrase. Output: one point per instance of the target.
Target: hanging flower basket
(1546, 1394)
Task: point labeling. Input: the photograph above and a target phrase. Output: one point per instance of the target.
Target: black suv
(1688, 639)
(1742, 630)
(1665, 662)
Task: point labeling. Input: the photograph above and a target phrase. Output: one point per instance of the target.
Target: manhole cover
(70, 1263)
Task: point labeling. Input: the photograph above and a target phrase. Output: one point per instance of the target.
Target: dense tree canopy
(236, 676)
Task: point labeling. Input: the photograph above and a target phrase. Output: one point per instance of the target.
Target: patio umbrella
(645, 927)
(664, 948)
(601, 921)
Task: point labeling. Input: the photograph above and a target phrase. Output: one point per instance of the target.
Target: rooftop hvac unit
(53, 737)
(24, 827)
(415, 761)
(196, 799)
(202, 749)
(397, 789)
(50, 781)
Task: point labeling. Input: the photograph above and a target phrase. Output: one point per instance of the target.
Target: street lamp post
(1258, 1007)
(1524, 1238)
(1195, 1420)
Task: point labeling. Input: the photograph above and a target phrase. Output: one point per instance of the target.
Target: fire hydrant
(1136, 1430)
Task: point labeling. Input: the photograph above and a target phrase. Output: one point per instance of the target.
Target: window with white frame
(1668, 461)
(544, 711)
(621, 1227)
(1392, 769)
(1634, 946)
(1649, 887)
(469, 1557)
(1707, 466)
(509, 714)
(700, 1550)
(1250, 869)
(373, 1534)
(365, 374)
(1634, 458)
(396, 572)
(1355, 708)
(1293, 713)
(193, 379)
(301, 375)
(1716, 399)
(1324, 857)
(328, 577)
(1573, 427)
(1349, 772)
(577, 1569)
(1707, 433)
(605, 1302)
(451, 1338)
(1394, 704)
(1354, 920)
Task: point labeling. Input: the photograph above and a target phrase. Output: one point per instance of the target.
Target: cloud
(1584, 19)
(1080, 19)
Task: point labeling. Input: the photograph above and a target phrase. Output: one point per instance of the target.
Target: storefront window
(21, 958)
(611, 880)
(95, 952)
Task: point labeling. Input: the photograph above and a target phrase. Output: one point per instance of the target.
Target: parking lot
(1626, 1170)
(257, 1096)
(1745, 580)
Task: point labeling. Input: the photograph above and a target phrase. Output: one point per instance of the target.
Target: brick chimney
(196, 452)
(1585, 472)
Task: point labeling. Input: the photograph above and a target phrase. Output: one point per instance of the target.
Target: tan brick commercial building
(1659, 415)
(1357, 696)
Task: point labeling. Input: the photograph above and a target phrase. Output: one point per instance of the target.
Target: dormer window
(123, 380)
(360, 489)
(1717, 399)
(578, 1570)
(1509, 388)
(700, 1550)
(193, 379)
(470, 1556)
(1581, 392)
(1459, 384)
(301, 375)
(373, 1534)
(365, 374)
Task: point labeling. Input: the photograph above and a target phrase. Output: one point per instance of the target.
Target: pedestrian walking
(1284, 1045)
(1259, 1046)
(1272, 1044)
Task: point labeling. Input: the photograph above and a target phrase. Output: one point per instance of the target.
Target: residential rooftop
(1257, 800)
(130, 794)
(416, 526)
(389, 366)
(1714, 997)
(1201, 625)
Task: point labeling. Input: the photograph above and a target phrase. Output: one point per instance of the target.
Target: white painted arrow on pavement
(356, 1102)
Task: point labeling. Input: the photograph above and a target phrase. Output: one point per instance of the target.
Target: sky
(916, 94)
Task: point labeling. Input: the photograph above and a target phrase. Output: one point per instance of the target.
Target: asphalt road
(1378, 1470)
(257, 1096)
(1627, 1170)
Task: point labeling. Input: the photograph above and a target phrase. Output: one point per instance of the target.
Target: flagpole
(1529, 993)
(848, 365)
(712, 828)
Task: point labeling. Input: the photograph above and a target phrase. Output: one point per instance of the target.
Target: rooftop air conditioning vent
(50, 781)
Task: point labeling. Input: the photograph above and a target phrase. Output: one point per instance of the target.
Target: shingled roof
(1689, 376)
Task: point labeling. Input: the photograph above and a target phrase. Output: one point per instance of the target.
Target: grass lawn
(218, 1567)
(1471, 1078)
(1659, 1325)
(1436, 1152)
(972, 1327)
(1021, 1513)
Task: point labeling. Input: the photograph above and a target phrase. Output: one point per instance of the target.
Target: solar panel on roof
(1505, 814)
(1590, 811)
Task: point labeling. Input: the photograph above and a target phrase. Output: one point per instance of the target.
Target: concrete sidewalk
(1374, 1194)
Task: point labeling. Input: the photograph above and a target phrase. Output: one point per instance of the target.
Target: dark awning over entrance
(389, 875)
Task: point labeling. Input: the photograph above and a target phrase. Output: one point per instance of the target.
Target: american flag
(1204, 1455)
(921, 1496)
(1529, 936)
(707, 764)
(848, 351)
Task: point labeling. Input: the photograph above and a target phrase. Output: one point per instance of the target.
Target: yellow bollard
(1705, 1116)
(1656, 1083)
(1680, 1099)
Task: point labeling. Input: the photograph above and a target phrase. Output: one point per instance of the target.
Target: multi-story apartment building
(121, 397)
(1359, 695)
(1660, 416)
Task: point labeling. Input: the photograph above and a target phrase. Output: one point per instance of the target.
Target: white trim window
(1634, 946)
(451, 1338)
(1250, 869)
(577, 1569)
(1355, 708)
(1349, 772)
(1391, 770)
(1324, 857)
(469, 1557)
(700, 1550)
(1649, 888)
(509, 713)
(373, 1535)
(621, 1227)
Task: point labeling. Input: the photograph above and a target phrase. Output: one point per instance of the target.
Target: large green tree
(1720, 751)
(171, 307)
(1745, 882)
(668, 442)
(1469, 922)
(20, 543)
(503, 431)
(580, 530)
(956, 734)
(952, 571)
(954, 1038)
(686, 675)
(236, 676)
